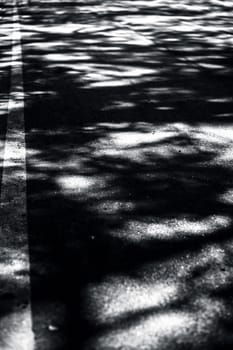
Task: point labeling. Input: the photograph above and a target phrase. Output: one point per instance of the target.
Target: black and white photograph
(116, 174)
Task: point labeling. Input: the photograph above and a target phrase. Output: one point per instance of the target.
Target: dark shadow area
(129, 172)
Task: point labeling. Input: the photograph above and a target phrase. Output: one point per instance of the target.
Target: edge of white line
(16, 327)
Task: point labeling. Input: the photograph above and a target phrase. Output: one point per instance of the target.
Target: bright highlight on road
(16, 326)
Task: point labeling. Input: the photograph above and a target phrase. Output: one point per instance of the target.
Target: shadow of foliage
(129, 176)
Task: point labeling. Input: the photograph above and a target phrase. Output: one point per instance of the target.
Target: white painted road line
(16, 327)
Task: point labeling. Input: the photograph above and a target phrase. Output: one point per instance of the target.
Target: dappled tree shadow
(5, 47)
(128, 118)
(13, 281)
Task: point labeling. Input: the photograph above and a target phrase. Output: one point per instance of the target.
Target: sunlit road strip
(16, 325)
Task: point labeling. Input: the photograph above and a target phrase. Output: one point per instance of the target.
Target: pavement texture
(128, 114)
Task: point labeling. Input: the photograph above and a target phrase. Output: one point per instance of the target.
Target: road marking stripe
(16, 327)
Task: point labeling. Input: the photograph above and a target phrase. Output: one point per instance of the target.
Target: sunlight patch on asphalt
(224, 132)
(144, 144)
(14, 331)
(47, 45)
(18, 262)
(226, 197)
(222, 136)
(220, 100)
(105, 75)
(154, 333)
(14, 151)
(119, 105)
(133, 138)
(143, 311)
(116, 297)
(67, 28)
(158, 288)
(174, 229)
(140, 140)
(3, 108)
(64, 57)
(76, 182)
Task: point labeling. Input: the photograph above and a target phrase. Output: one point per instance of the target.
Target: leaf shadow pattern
(5, 61)
(129, 176)
(13, 281)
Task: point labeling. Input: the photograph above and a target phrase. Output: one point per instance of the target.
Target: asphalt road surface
(116, 165)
